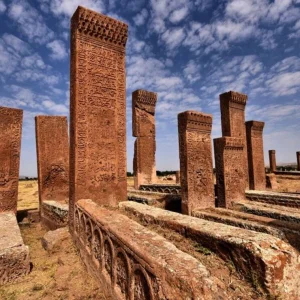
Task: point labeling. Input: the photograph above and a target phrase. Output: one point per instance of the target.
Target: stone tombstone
(255, 148)
(143, 128)
(52, 148)
(196, 167)
(177, 176)
(230, 177)
(272, 160)
(298, 160)
(232, 106)
(10, 131)
(97, 109)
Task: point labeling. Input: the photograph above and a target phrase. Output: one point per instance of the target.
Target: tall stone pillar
(272, 159)
(195, 154)
(232, 106)
(298, 160)
(97, 109)
(10, 146)
(52, 148)
(256, 163)
(143, 128)
(230, 177)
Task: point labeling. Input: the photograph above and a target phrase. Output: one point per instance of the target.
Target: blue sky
(187, 51)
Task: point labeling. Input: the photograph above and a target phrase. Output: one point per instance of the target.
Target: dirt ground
(59, 275)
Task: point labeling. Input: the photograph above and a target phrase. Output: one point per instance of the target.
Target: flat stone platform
(14, 255)
(54, 214)
(137, 263)
(261, 257)
(285, 199)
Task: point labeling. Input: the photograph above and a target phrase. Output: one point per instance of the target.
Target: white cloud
(57, 108)
(173, 37)
(179, 14)
(30, 21)
(58, 49)
(285, 84)
(2, 6)
(140, 18)
(191, 72)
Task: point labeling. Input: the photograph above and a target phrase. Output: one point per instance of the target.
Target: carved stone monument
(177, 176)
(232, 106)
(97, 109)
(10, 145)
(230, 177)
(272, 159)
(52, 148)
(298, 160)
(195, 154)
(143, 128)
(256, 163)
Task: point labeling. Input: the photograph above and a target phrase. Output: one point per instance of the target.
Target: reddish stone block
(232, 106)
(97, 109)
(230, 176)
(298, 160)
(10, 146)
(272, 159)
(255, 148)
(143, 128)
(196, 168)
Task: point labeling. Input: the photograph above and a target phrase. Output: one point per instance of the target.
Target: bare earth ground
(61, 275)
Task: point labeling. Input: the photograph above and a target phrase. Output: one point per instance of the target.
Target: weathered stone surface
(284, 199)
(10, 146)
(54, 214)
(14, 255)
(52, 147)
(161, 188)
(97, 109)
(270, 262)
(230, 176)
(177, 177)
(271, 181)
(255, 148)
(143, 128)
(232, 106)
(196, 167)
(138, 263)
(51, 241)
(298, 160)
(272, 159)
(268, 210)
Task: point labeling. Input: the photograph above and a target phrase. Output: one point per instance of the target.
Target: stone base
(137, 263)
(14, 255)
(54, 214)
(161, 188)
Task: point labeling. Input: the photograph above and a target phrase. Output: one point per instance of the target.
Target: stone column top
(41, 117)
(231, 142)
(12, 111)
(272, 151)
(234, 97)
(256, 125)
(144, 100)
(196, 120)
(101, 27)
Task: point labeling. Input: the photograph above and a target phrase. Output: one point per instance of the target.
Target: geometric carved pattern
(143, 128)
(230, 176)
(130, 279)
(196, 168)
(161, 188)
(256, 164)
(97, 109)
(10, 145)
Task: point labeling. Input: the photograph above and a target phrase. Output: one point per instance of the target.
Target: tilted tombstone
(10, 146)
(97, 109)
(255, 148)
(230, 177)
(196, 167)
(143, 128)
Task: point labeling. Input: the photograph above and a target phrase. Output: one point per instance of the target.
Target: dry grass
(28, 195)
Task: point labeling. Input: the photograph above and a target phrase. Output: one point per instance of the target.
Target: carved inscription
(256, 164)
(52, 146)
(10, 132)
(231, 182)
(195, 152)
(98, 109)
(143, 127)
